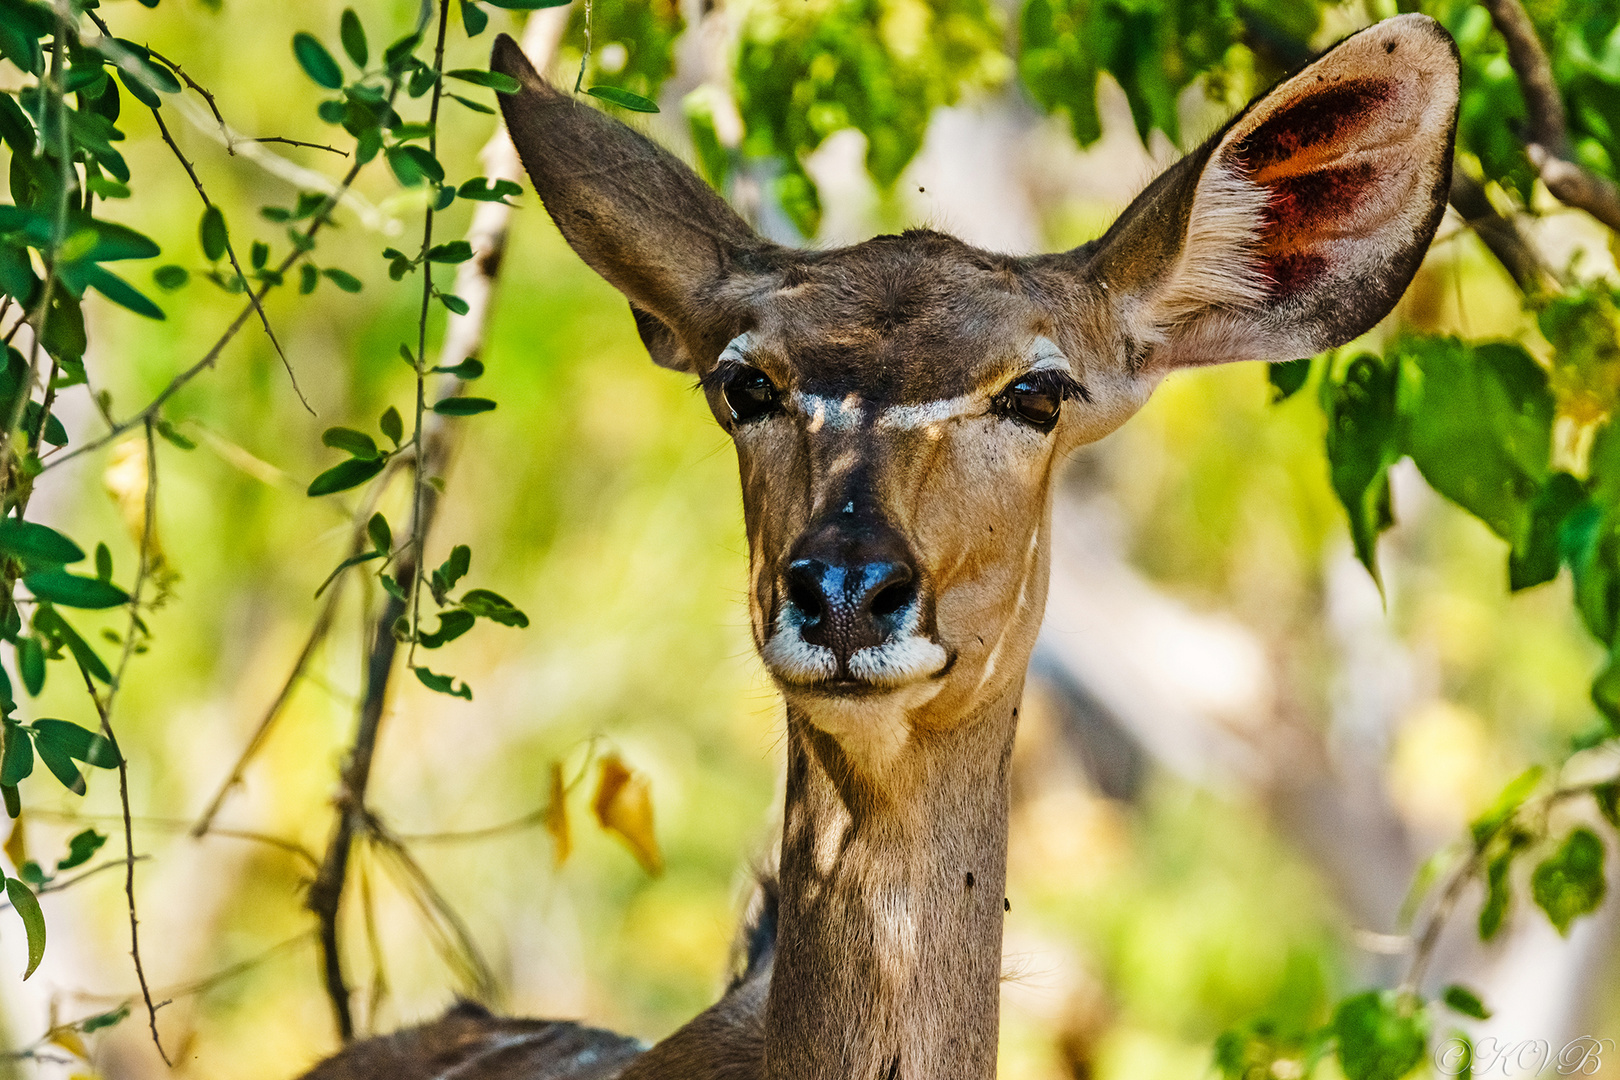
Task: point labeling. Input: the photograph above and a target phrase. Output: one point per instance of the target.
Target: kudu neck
(888, 959)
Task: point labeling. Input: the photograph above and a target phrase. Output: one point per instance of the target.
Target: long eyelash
(1059, 382)
(722, 371)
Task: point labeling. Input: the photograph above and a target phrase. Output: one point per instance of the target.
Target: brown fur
(1291, 231)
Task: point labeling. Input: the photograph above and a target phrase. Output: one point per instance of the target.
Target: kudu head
(899, 406)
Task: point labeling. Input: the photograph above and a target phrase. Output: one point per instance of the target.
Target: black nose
(851, 589)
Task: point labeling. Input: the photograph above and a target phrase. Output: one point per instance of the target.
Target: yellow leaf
(16, 848)
(623, 805)
(556, 819)
(125, 480)
(69, 1040)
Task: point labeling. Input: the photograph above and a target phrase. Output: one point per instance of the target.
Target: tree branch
(1546, 131)
(464, 335)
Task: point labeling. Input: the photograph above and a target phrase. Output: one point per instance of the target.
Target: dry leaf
(125, 480)
(16, 848)
(70, 1040)
(556, 819)
(623, 805)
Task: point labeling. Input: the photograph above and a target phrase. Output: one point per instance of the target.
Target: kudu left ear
(1299, 226)
(640, 217)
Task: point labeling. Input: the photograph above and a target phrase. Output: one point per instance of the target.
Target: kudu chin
(898, 408)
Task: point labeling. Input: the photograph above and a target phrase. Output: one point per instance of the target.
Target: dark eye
(1035, 401)
(749, 394)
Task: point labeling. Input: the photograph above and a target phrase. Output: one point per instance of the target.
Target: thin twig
(464, 334)
(527, 821)
(230, 251)
(298, 142)
(104, 710)
(322, 215)
(1547, 132)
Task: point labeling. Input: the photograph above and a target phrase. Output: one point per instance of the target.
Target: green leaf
(61, 765)
(342, 279)
(258, 254)
(453, 302)
(1382, 1035)
(1479, 426)
(1569, 882)
(463, 406)
(468, 103)
(1362, 443)
(382, 538)
(391, 425)
(171, 277)
(456, 251)
(1498, 894)
(494, 607)
(454, 568)
(1607, 797)
(473, 18)
(353, 36)
(494, 80)
(31, 665)
(1287, 377)
(444, 684)
(452, 624)
(349, 474)
(1463, 1000)
(104, 563)
(413, 164)
(211, 231)
(27, 907)
(92, 1024)
(17, 759)
(316, 61)
(483, 189)
(624, 99)
(352, 560)
(526, 5)
(466, 370)
(80, 849)
(38, 546)
(1506, 804)
(118, 291)
(76, 742)
(49, 622)
(74, 591)
(173, 437)
(308, 278)
(1535, 555)
(356, 443)
(55, 433)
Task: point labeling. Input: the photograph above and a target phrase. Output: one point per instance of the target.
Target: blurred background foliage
(1241, 873)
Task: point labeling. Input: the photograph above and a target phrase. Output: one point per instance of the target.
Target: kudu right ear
(640, 217)
(1299, 226)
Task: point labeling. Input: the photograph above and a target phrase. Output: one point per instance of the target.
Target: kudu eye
(749, 394)
(1034, 400)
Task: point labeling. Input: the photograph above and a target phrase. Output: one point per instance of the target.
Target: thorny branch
(1547, 133)
(104, 708)
(475, 281)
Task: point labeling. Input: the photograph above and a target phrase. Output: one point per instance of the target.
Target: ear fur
(1299, 226)
(639, 216)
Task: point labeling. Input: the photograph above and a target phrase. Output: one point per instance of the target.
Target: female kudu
(898, 409)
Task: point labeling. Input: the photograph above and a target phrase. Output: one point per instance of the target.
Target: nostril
(893, 598)
(804, 593)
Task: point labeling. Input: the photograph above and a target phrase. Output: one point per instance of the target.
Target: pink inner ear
(1324, 161)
